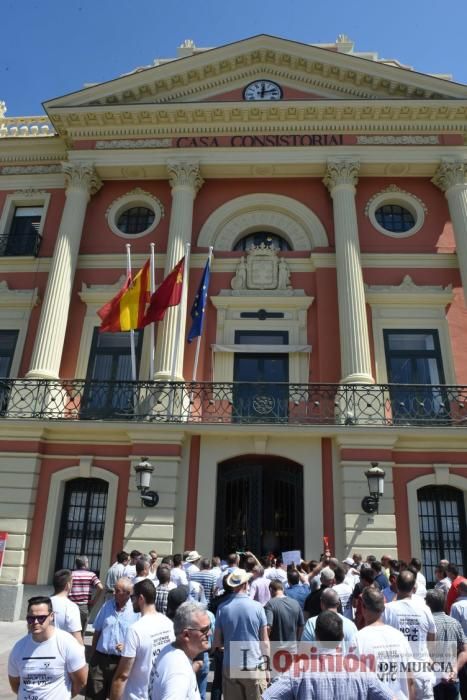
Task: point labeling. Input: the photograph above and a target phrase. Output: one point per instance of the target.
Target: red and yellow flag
(167, 294)
(125, 311)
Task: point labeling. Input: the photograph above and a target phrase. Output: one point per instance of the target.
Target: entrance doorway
(259, 505)
(82, 523)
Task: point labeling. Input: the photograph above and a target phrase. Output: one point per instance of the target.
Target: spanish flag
(167, 294)
(125, 311)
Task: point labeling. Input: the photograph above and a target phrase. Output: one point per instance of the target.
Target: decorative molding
(280, 214)
(81, 176)
(394, 195)
(398, 140)
(17, 298)
(409, 293)
(449, 174)
(30, 169)
(94, 294)
(135, 198)
(184, 174)
(134, 143)
(341, 172)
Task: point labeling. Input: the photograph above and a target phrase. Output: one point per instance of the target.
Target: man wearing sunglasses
(48, 663)
(174, 677)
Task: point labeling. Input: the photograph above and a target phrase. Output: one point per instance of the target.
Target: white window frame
(295, 310)
(410, 307)
(135, 198)
(394, 195)
(441, 477)
(23, 198)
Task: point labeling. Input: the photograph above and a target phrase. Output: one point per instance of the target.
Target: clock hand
(262, 89)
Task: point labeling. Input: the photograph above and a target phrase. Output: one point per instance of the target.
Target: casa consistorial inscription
(261, 269)
(280, 141)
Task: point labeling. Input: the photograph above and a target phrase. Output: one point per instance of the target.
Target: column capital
(449, 174)
(341, 172)
(82, 176)
(185, 174)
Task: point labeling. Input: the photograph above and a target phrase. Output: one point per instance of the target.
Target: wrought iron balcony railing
(24, 244)
(235, 403)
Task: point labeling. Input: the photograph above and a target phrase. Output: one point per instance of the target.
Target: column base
(357, 378)
(41, 374)
(164, 376)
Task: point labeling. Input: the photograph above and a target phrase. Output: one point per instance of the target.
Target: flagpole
(132, 333)
(152, 280)
(198, 343)
(180, 307)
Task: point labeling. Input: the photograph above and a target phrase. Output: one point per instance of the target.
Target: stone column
(82, 182)
(451, 177)
(185, 180)
(341, 179)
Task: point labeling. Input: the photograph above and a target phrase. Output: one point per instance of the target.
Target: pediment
(220, 75)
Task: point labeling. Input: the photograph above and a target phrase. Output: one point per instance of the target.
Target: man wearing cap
(241, 619)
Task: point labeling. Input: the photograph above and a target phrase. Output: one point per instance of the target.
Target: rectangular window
(414, 357)
(261, 338)
(23, 237)
(109, 387)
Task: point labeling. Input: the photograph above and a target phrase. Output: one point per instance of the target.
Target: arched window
(270, 240)
(441, 516)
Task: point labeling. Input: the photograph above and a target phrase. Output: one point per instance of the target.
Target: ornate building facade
(332, 187)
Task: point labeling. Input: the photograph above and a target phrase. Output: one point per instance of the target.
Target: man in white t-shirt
(414, 619)
(177, 573)
(174, 676)
(383, 648)
(143, 641)
(46, 664)
(66, 613)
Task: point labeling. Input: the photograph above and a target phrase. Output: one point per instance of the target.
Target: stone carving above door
(261, 269)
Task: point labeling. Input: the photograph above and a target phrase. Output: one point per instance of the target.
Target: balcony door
(414, 357)
(259, 505)
(261, 377)
(109, 390)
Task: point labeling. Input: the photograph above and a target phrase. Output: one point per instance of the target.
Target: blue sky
(50, 48)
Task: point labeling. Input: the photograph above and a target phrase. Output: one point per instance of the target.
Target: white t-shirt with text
(415, 620)
(391, 652)
(143, 642)
(44, 667)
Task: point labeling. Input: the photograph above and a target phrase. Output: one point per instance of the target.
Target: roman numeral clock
(262, 90)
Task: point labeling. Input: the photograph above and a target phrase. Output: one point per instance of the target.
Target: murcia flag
(167, 294)
(125, 311)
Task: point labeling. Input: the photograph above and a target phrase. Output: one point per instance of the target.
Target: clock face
(262, 90)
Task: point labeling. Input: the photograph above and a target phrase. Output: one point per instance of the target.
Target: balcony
(391, 405)
(24, 244)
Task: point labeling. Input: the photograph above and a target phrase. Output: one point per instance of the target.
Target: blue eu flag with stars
(199, 305)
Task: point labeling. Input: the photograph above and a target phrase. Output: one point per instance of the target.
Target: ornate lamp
(143, 473)
(375, 477)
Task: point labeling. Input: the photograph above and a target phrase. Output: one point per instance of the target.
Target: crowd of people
(335, 629)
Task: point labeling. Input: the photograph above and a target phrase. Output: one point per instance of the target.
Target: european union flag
(199, 305)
